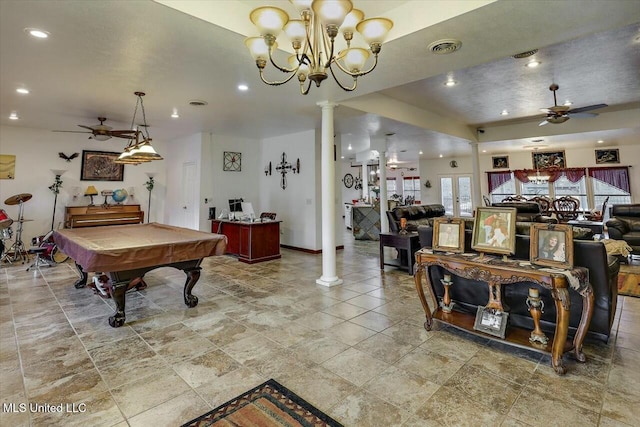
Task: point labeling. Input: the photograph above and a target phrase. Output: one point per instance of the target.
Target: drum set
(47, 250)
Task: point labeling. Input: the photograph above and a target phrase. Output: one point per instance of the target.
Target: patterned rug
(268, 405)
(629, 284)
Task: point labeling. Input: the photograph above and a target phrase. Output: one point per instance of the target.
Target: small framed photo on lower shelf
(491, 322)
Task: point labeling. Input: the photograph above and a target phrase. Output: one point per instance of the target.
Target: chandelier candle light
(313, 40)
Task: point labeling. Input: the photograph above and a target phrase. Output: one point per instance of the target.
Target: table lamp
(91, 191)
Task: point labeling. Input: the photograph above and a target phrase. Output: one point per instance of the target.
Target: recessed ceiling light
(175, 114)
(342, 157)
(420, 152)
(533, 64)
(22, 91)
(441, 156)
(450, 83)
(349, 147)
(40, 34)
(14, 116)
(600, 141)
(243, 87)
(484, 151)
(504, 113)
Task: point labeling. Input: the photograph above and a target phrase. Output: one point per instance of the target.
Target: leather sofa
(625, 225)
(603, 275)
(415, 214)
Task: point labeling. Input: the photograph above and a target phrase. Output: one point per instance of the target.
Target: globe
(119, 195)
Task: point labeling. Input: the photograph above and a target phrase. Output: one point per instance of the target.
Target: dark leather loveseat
(625, 225)
(603, 275)
(415, 214)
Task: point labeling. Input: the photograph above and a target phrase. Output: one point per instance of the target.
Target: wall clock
(232, 161)
(348, 180)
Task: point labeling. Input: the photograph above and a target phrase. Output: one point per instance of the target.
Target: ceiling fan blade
(87, 127)
(71, 131)
(583, 114)
(122, 132)
(587, 108)
(122, 135)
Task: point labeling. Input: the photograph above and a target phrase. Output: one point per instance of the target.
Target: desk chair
(39, 251)
(269, 215)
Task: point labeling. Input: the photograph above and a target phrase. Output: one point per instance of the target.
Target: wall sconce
(427, 184)
(75, 192)
(132, 192)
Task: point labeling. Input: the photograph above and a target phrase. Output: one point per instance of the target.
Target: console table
(93, 216)
(409, 243)
(496, 272)
(251, 242)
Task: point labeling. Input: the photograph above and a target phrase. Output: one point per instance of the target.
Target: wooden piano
(93, 216)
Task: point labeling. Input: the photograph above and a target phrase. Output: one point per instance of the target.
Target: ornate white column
(477, 183)
(384, 205)
(329, 277)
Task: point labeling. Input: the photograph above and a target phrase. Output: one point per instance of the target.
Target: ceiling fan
(561, 113)
(103, 132)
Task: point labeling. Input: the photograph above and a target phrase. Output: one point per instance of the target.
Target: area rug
(268, 405)
(629, 284)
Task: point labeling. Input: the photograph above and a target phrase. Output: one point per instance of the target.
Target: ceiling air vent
(198, 103)
(525, 54)
(446, 46)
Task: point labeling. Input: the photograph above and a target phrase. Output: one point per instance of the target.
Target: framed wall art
(546, 159)
(100, 166)
(494, 230)
(607, 156)
(7, 166)
(500, 162)
(232, 161)
(551, 245)
(448, 235)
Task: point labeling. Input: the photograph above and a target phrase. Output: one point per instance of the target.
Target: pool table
(125, 253)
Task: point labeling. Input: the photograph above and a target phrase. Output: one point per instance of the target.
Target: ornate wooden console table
(496, 272)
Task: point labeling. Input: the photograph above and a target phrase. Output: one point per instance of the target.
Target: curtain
(617, 176)
(574, 174)
(496, 179)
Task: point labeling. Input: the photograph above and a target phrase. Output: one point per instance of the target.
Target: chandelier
(139, 149)
(539, 179)
(313, 40)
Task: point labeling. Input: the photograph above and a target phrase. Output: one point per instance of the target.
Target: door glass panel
(446, 191)
(464, 196)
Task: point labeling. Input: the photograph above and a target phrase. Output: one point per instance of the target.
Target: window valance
(496, 179)
(572, 174)
(616, 176)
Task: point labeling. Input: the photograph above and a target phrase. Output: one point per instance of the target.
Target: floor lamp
(55, 188)
(149, 185)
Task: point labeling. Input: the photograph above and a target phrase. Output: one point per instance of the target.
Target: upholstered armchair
(625, 225)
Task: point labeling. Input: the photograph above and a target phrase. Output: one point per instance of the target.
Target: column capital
(327, 104)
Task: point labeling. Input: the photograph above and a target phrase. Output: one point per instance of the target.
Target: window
(501, 186)
(411, 188)
(531, 189)
(392, 189)
(564, 187)
(612, 182)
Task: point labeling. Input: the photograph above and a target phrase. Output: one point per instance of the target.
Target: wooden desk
(408, 243)
(251, 242)
(94, 216)
(496, 273)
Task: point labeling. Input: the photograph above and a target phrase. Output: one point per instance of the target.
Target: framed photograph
(494, 230)
(551, 245)
(491, 322)
(546, 159)
(607, 156)
(100, 166)
(448, 235)
(500, 162)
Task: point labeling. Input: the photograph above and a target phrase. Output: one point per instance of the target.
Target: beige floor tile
(364, 410)
(563, 412)
(355, 366)
(221, 389)
(432, 366)
(95, 410)
(319, 349)
(402, 388)
(372, 320)
(621, 407)
(408, 333)
(349, 333)
(174, 412)
(201, 369)
(384, 348)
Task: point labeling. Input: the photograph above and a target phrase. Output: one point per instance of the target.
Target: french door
(456, 195)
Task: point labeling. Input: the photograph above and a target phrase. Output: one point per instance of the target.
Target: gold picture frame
(494, 230)
(551, 245)
(448, 235)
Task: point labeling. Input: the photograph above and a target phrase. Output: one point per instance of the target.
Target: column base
(328, 282)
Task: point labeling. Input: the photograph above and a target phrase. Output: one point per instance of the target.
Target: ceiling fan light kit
(313, 41)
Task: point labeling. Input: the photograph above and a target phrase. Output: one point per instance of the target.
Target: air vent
(198, 103)
(525, 54)
(446, 46)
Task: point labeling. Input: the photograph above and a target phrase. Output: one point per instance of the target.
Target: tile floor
(357, 351)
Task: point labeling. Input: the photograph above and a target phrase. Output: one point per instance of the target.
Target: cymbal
(14, 200)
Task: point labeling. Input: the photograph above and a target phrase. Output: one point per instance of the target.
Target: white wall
(36, 152)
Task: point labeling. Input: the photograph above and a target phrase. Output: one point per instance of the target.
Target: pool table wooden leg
(118, 292)
(82, 281)
(193, 274)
